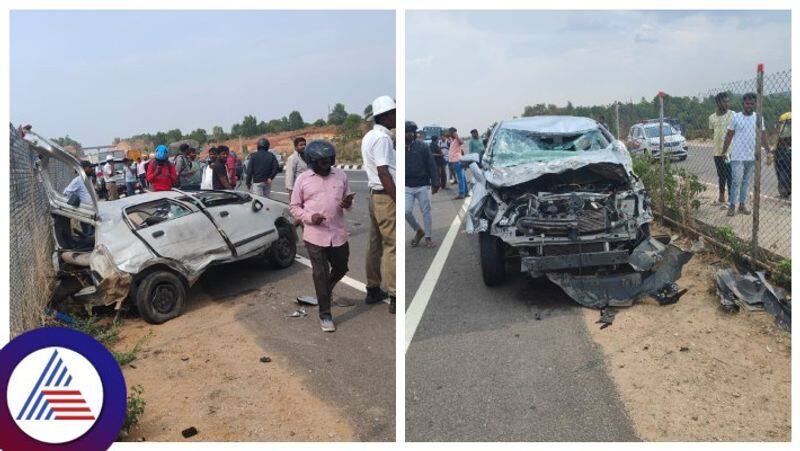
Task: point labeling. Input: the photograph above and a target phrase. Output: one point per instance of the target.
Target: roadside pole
(616, 117)
(661, 152)
(757, 172)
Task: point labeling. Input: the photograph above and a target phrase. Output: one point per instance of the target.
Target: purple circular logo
(62, 390)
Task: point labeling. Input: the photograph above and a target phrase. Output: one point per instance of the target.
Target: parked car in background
(151, 248)
(643, 139)
(430, 131)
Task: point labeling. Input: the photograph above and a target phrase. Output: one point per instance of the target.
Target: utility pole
(757, 174)
(661, 151)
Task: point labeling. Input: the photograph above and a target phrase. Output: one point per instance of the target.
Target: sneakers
(327, 324)
(731, 211)
(375, 295)
(743, 210)
(391, 305)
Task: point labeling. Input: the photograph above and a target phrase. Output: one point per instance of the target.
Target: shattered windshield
(652, 132)
(511, 147)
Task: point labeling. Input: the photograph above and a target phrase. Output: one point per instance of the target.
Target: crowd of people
(431, 168)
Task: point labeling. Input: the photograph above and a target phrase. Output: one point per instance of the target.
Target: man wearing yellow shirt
(718, 123)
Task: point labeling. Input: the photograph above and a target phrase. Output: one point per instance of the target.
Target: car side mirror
(618, 146)
(256, 205)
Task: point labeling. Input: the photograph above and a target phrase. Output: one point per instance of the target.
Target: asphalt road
(353, 368)
(512, 363)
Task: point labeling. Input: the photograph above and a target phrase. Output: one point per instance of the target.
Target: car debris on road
(751, 292)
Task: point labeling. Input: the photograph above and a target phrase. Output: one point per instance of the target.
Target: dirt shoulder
(212, 378)
(731, 381)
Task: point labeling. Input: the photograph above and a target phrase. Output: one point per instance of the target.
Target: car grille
(569, 249)
(589, 221)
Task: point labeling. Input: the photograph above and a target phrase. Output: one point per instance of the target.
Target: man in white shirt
(108, 174)
(741, 141)
(141, 170)
(378, 155)
(295, 164)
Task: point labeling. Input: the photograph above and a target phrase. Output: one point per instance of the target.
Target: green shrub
(681, 187)
(134, 411)
(782, 275)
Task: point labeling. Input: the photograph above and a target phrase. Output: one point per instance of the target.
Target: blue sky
(96, 75)
(470, 68)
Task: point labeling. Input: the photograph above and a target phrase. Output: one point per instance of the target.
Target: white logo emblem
(55, 395)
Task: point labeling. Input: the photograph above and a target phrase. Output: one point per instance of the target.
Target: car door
(178, 231)
(52, 155)
(245, 221)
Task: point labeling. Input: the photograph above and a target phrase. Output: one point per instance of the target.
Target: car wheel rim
(283, 250)
(165, 297)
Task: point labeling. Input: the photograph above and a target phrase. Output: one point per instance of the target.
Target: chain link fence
(32, 273)
(731, 186)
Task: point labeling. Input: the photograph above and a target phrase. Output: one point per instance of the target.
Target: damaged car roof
(552, 125)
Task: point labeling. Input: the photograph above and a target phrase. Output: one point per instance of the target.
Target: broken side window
(156, 212)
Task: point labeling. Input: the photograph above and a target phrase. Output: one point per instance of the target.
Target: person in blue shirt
(475, 144)
(77, 186)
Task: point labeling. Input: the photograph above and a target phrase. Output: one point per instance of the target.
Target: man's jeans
(130, 188)
(461, 177)
(328, 266)
(423, 195)
(741, 173)
(723, 174)
(261, 189)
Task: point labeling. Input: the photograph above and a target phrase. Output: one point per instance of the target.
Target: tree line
(691, 112)
(350, 125)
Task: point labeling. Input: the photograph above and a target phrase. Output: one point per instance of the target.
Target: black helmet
(317, 150)
(411, 127)
(263, 144)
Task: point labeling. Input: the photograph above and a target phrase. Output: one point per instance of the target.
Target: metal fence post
(757, 154)
(661, 152)
(616, 117)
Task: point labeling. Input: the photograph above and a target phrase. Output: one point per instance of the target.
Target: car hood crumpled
(614, 164)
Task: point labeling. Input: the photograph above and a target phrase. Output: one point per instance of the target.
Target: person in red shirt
(230, 166)
(161, 173)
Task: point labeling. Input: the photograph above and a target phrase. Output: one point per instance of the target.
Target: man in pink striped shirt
(319, 199)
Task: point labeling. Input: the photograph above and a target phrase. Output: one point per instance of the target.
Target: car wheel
(282, 252)
(160, 297)
(493, 259)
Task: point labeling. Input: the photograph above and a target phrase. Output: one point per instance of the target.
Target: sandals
(417, 238)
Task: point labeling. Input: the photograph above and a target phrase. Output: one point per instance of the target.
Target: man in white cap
(378, 155)
(108, 174)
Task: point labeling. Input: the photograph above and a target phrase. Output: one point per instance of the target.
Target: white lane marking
(425, 290)
(346, 280)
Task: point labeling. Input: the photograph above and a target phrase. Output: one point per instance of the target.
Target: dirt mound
(282, 142)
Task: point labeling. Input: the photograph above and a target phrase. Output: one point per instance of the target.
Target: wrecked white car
(559, 192)
(150, 248)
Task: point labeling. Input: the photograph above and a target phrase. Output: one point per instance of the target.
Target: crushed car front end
(560, 193)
